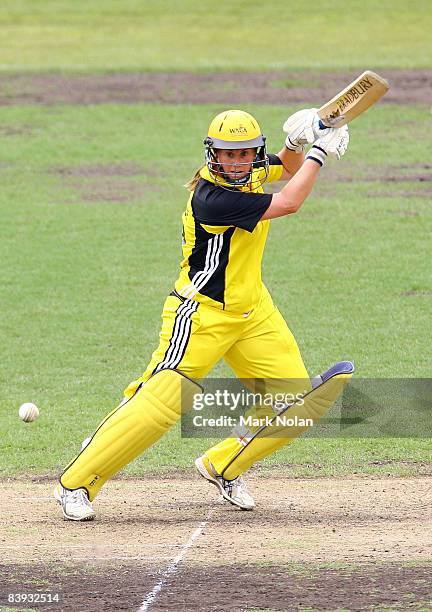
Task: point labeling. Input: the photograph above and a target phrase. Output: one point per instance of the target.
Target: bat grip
(322, 126)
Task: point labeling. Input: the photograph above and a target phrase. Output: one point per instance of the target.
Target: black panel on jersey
(274, 160)
(214, 205)
(210, 270)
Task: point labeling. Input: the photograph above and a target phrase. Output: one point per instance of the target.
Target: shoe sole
(66, 517)
(202, 471)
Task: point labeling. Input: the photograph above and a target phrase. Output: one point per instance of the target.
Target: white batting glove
(302, 128)
(333, 144)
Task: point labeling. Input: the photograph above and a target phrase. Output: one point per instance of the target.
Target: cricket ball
(28, 412)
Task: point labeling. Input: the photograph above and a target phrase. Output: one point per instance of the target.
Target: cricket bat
(357, 97)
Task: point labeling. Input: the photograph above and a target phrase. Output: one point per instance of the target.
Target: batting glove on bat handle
(334, 144)
(302, 128)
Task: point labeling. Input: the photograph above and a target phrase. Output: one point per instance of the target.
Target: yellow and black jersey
(223, 242)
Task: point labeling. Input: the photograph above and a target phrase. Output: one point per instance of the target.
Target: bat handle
(322, 126)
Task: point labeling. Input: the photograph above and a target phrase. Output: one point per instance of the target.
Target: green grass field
(84, 281)
(110, 35)
(84, 274)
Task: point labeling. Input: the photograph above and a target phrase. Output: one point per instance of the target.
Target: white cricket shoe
(234, 491)
(75, 504)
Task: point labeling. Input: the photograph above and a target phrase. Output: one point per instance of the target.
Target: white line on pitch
(172, 567)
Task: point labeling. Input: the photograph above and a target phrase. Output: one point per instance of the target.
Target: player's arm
(295, 192)
(291, 162)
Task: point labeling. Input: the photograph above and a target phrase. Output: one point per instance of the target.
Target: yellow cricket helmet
(236, 129)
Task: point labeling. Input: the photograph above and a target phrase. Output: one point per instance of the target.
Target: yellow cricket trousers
(256, 345)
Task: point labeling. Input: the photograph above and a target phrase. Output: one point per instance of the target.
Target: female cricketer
(219, 308)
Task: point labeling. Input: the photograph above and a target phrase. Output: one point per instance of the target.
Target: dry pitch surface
(321, 544)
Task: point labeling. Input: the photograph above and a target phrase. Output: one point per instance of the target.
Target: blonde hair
(192, 183)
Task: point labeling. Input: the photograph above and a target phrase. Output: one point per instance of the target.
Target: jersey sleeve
(275, 168)
(214, 206)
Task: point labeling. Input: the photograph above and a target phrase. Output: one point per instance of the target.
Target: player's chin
(236, 176)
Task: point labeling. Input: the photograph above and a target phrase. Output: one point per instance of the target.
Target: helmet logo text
(239, 130)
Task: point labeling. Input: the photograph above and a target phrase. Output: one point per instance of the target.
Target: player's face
(236, 163)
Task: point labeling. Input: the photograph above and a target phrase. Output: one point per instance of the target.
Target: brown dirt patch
(420, 178)
(110, 190)
(228, 88)
(397, 179)
(353, 543)
(417, 293)
(15, 130)
(114, 183)
(425, 193)
(367, 173)
(396, 176)
(91, 170)
(404, 213)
